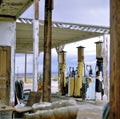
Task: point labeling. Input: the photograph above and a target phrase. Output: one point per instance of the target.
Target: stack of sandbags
(56, 104)
(41, 106)
(63, 103)
(69, 112)
(44, 114)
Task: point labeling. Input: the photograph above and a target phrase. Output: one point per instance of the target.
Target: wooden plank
(114, 60)
(47, 51)
(5, 74)
(2, 83)
(35, 45)
(36, 3)
(0, 61)
(4, 62)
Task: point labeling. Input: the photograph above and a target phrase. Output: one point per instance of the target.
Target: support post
(114, 59)
(105, 66)
(62, 70)
(35, 43)
(47, 51)
(58, 50)
(25, 78)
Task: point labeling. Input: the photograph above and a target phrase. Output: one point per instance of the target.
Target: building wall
(8, 38)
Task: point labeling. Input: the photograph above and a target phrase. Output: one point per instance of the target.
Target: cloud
(95, 12)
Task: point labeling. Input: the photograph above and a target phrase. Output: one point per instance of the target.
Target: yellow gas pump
(80, 72)
(62, 69)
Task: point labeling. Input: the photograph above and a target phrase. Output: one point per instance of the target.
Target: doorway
(5, 69)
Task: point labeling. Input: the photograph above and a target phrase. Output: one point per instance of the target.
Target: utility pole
(47, 51)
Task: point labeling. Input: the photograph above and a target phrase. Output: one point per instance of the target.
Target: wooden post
(47, 51)
(35, 43)
(114, 59)
(58, 50)
(25, 68)
(105, 66)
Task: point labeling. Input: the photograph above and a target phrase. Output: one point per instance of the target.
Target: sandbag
(72, 112)
(63, 103)
(43, 114)
(61, 113)
(69, 112)
(53, 105)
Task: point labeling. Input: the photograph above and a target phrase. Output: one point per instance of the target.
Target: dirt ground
(91, 110)
(87, 109)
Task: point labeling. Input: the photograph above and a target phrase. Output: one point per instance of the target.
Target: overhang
(12, 9)
(62, 33)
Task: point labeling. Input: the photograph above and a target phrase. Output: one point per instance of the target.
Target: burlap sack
(69, 112)
(61, 113)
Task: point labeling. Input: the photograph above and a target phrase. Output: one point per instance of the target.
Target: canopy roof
(62, 33)
(12, 9)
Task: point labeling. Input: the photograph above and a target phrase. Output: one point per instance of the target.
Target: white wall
(8, 38)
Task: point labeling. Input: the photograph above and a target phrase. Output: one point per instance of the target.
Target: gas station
(21, 35)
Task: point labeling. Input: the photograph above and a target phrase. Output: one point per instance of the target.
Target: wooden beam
(25, 76)
(47, 51)
(35, 44)
(114, 59)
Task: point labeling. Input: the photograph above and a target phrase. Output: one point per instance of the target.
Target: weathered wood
(114, 60)
(58, 50)
(105, 66)
(36, 2)
(35, 44)
(47, 51)
(25, 78)
(69, 112)
(4, 74)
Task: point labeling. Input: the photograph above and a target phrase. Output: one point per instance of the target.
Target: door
(5, 74)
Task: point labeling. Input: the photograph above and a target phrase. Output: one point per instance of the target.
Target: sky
(91, 12)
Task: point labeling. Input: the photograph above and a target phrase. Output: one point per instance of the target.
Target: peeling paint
(8, 38)
(12, 8)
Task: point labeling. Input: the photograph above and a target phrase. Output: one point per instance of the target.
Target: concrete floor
(91, 110)
(87, 109)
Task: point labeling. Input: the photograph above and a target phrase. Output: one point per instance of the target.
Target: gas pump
(89, 69)
(62, 66)
(78, 83)
(99, 69)
(80, 72)
(72, 79)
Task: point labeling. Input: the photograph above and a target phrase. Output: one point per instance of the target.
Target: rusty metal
(47, 51)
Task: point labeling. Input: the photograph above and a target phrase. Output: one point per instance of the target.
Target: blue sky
(91, 12)
(94, 12)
